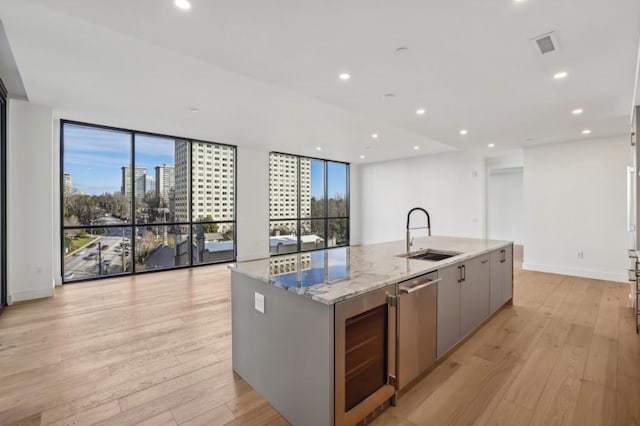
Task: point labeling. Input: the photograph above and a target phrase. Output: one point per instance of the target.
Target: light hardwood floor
(156, 350)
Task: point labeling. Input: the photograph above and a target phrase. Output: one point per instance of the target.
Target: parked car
(105, 246)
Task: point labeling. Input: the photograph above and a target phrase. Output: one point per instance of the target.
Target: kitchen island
(315, 333)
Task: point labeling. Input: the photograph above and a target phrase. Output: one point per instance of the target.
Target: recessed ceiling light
(374, 135)
(318, 148)
(389, 96)
(194, 110)
(577, 111)
(416, 147)
(586, 132)
(519, 1)
(344, 76)
(464, 132)
(420, 111)
(362, 157)
(560, 75)
(491, 145)
(182, 4)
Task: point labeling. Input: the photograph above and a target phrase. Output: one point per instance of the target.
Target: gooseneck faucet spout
(409, 240)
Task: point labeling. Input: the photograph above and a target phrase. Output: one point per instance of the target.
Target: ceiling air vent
(546, 43)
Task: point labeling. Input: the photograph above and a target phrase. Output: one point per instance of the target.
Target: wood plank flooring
(155, 349)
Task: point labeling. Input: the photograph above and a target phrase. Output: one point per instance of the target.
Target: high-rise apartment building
(212, 179)
(284, 192)
(149, 185)
(67, 185)
(165, 183)
(140, 181)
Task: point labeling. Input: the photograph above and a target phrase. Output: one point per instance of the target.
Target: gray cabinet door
(448, 309)
(474, 293)
(507, 274)
(496, 276)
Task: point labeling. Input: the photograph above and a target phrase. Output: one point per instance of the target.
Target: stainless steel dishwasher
(417, 315)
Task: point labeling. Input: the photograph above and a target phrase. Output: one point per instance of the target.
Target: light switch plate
(259, 302)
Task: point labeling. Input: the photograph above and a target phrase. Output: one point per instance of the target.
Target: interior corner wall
(575, 201)
(450, 186)
(31, 183)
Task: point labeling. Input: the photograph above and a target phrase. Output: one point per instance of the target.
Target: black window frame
(3, 195)
(326, 218)
(133, 224)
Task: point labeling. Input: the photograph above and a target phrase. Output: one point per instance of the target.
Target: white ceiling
(265, 72)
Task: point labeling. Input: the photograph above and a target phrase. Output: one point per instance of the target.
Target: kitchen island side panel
(287, 353)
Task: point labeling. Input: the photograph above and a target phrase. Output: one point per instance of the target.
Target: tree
(337, 206)
(209, 227)
(338, 230)
(317, 207)
(144, 246)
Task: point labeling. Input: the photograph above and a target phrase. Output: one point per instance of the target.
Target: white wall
(30, 191)
(252, 197)
(574, 200)
(505, 212)
(450, 186)
(355, 202)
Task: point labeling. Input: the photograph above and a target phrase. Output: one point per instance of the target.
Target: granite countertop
(332, 275)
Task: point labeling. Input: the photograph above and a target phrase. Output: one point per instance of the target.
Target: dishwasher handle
(416, 285)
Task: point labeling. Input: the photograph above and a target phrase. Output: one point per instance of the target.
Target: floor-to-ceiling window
(134, 201)
(308, 203)
(3, 196)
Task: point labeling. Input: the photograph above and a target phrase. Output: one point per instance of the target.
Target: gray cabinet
(507, 274)
(448, 308)
(474, 293)
(469, 292)
(501, 277)
(496, 280)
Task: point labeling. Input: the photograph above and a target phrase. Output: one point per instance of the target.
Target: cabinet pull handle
(484, 261)
(459, 274)
(464, 273)
(409, 290)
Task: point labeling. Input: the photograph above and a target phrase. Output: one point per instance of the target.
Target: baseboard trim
(21, 296)
(584, 273)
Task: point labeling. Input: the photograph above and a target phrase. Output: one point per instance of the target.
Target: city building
(284, 192)
(212, 175)
(165, 183)
(507, 120)
(67, 185)
(139, 178)
(149, 185)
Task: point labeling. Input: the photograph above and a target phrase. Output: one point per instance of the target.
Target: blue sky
(94, 157)
(337, 181)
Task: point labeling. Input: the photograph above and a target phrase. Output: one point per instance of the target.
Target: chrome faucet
(409, 239)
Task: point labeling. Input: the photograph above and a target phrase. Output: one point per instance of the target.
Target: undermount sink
(431, 254)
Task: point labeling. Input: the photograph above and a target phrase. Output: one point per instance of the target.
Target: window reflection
(308, 269)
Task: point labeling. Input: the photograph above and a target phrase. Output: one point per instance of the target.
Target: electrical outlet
(580, 255)
(474, 174)
(259, 302)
